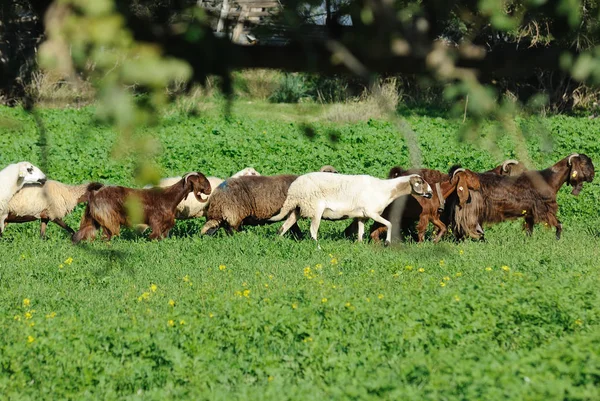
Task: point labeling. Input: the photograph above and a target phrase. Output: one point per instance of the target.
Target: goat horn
(188, 176)
(507, 162)
(458, 170)
(570, 157)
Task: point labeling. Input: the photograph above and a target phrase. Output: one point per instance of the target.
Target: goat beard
(577, 188)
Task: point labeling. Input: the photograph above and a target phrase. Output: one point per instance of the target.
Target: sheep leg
(291, 220)
(379, 219)
(316, 222)
(2, 224)
(62, 224)
(210, 227)
(361, 228)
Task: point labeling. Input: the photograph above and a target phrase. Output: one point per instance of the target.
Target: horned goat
(113, 206)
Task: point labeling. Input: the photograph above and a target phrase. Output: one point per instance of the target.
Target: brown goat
(111, 206)
(246, 200)
(530, 195)
(409, 209)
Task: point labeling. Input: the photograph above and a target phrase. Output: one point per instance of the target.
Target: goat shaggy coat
(338, 196)
(531, 196)
(50, 202)
(113, 206)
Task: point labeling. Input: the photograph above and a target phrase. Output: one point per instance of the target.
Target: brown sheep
(112, 206)
(249, 200)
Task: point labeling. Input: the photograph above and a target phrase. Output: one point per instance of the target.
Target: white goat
(50, 202)
(339, 196)
(12, 178)
(190, 207)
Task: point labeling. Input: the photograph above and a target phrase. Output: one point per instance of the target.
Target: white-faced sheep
(50, 202)
(248, 200)
(113, 206)
(335, 197)
(12, 179)
(190, 207)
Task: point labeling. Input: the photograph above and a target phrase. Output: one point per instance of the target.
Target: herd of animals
(461, 200)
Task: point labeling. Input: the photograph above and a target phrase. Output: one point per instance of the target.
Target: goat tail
(87, 227)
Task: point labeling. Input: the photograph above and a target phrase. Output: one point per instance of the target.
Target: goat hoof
(386, 243)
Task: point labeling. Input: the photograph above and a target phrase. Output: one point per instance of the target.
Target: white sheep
(12, 178)
(50, 202)
(339, 196)
(190, 207)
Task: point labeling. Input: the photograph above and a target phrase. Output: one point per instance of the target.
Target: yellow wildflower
(396, 275)
(457, 298)
(17, 318)
(270, 378)
(372, 271)
(442, 284)
(68, 261)
(368, 299)
(26, 302)
(408, 267)
(186, 278)
(61, 266)
(421, 270)
(459, 274)
(28, 315)
(222, 267)
(334, 261)
(323, 300)
(51, 315)
(145, 295)
(237, 293)
(340, 273)
(153, 287)
(210, 315)
(442, 263)
(446, 278)
(488, 269)
(294, 306)
(505, 268)
(380, 296)
(318, 266)
(30, 339)
(460, 251)
(22, 256)
(348, 304)
(246, 293)
(171, 302)
(171, 323)
(579, 322)
(182, 322)
(307, 340)
(266, 285)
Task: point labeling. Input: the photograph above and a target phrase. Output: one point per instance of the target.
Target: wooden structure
(238, 16)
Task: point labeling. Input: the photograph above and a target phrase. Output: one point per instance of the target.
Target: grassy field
(255, 316)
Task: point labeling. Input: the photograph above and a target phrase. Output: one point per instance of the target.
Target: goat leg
(441, 229)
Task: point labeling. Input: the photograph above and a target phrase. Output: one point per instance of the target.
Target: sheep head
(199, 185)
(328, 169)
(30, 174)
(581, 170)
(420, 186)
(245, 172)
(464, 180)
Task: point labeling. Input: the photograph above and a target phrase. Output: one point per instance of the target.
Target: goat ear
(473, 183)
(462, 189)
(22, 171)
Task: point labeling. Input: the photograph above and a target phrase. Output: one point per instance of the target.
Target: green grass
(512, 318)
